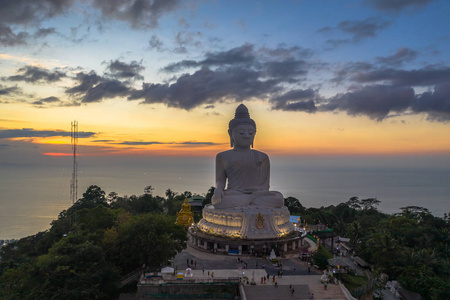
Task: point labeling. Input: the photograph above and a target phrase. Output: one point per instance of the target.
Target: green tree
(369, 203)
(355, 233)
(354, 203)
(384, 250)
(208, 196)
(321, 257)
(75, 268)
(293, 205)
(150, 239)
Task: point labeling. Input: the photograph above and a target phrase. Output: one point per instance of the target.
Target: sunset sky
(163, 77)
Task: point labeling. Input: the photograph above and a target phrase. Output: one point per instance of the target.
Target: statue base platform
(249, 222)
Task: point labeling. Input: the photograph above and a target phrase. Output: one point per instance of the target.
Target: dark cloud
(296, 100)
(187, 38)
(43, 32)
(199, 143)
(283, 52)
(334, 43)
(207, 86)
(239, 73)
(402, 56)
(31, 12)
(34, 74)
(281, 63)
(47, 100)
(9, 38)
(138, 13)
(107, 89)
(102, 141)
(243, 55)
(156, 43)
(140, 143)
(374, 101)
(95, 88)
(436, 103)
(358, 30)
(289, 68)
(240, 55)
(178, 66)
(397, 5)
(191, 143)
(362, 29)
(349, 69)
(422, 77)
(123, 70)
(86, 82)
(30, 133)
(6, 91)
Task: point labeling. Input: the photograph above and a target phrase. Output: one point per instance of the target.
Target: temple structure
(185, 216)
(244, 214)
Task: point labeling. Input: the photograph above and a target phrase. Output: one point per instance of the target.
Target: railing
(210, 281)
(130, 277)
(189, 296)
(367, 288)
(311, 238)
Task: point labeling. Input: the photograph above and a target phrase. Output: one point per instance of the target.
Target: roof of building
(338, 261)
(343, 239)
(196, 200)
(361, 262)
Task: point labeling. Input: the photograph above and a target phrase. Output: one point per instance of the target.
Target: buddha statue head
(241, 129)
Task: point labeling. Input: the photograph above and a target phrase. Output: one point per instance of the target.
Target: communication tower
(74, 142)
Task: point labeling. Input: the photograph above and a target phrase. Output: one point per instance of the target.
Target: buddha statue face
(242, 136)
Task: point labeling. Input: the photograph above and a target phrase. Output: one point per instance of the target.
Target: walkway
(295, 273)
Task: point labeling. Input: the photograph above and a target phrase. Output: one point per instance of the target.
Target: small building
(196, 203)
(339, 265)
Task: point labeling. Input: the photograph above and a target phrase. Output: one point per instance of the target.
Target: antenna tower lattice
(74, 142)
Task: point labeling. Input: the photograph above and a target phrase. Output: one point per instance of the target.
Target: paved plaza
(295, 274)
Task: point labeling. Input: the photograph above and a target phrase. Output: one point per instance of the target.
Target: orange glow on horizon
(56, 154)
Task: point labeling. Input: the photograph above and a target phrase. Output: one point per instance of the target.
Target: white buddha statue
(247, 171)
(242, 204)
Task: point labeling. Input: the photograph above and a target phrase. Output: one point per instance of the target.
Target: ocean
(32, 195)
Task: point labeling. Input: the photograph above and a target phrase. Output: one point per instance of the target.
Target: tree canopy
(410, 247)
(90, 246)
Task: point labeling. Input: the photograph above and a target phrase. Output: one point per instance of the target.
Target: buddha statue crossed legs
(247, 171)
(242, 204)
